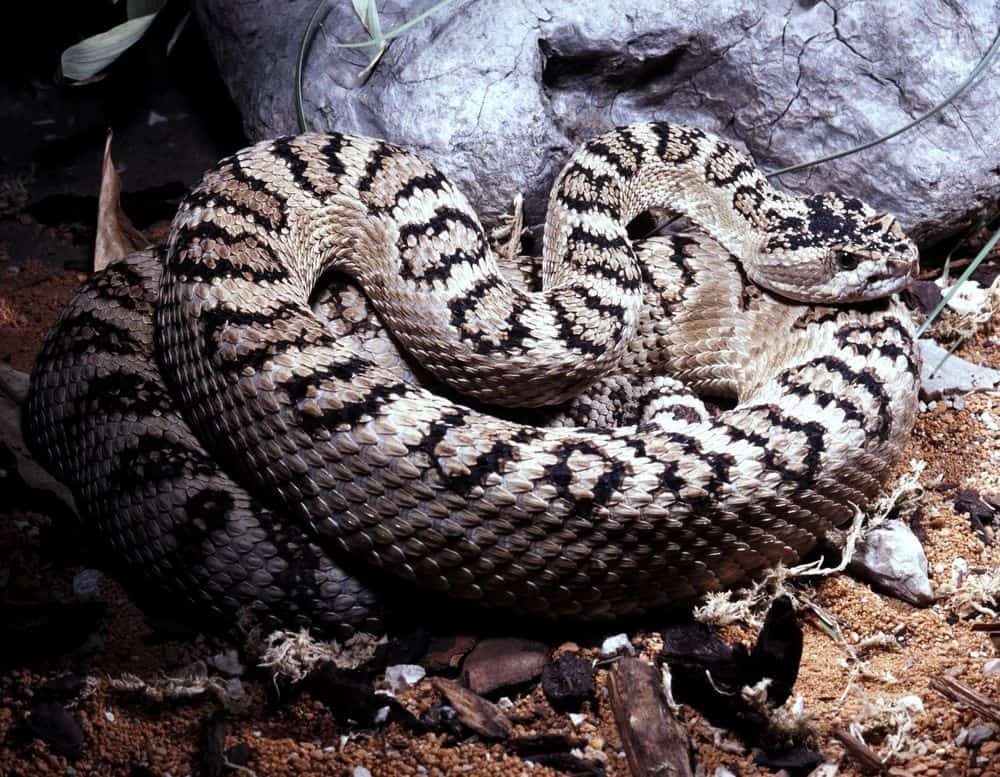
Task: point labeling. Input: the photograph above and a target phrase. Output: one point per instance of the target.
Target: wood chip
(475, 713)
(654, 740)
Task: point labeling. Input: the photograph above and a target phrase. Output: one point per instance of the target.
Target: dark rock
(502, 663)
(568, 681)
(922, 296)
(446, 653)
(474, 712)
(694, 652)
(797, 761)
(981, 513)
(142, 771)
(778, 650)
(409, 648)
(916, 524)
(569, 764)
(50, 722)
(238, 754)
(536, 744)
(349, 694)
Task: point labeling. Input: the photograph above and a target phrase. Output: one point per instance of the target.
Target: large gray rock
(498, 94)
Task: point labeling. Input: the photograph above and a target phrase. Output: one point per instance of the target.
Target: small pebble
(87, 584)
(617, 644)
(228, 663)
(403, 676)
(360, 771)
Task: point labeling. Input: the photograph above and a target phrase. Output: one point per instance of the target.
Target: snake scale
(243, 431)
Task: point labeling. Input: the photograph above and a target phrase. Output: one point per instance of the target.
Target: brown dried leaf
(116, 237)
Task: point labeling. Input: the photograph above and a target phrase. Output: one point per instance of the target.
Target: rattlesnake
(236, 448)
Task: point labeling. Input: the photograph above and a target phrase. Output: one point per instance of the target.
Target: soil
(45, 250)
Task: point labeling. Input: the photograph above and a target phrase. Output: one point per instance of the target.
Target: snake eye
(846, 261)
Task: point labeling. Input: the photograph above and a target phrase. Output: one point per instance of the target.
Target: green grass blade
(979, 68)
(397, 31)
(983, 253)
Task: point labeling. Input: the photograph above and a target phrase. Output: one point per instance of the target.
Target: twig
(866, 757)
(961, 693)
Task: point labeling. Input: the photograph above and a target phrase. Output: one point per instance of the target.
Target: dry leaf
(116, 237)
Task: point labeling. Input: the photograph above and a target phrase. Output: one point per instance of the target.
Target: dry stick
(655, 742)
(866, 757)
(961, 693)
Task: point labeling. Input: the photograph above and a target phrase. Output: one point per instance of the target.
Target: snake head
(835, 249)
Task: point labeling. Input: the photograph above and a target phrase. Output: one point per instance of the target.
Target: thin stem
(983, 253)
(947, 356)
(300, 62)
(983, 63)
(395, 31)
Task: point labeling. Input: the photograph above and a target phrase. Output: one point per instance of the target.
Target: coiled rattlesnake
(315, 451)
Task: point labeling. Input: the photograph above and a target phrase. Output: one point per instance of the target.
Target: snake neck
(625, 173)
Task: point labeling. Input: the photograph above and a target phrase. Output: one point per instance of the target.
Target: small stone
(87, 584)
(893, 560)
(403, 676)
(568, 681)
(502, 663)
(238, 754)
(577, 719)
(235, 692)
(109, 716)
(616, 645)
(992, 667)
(976, 735)
(227, 663)
(360, 771)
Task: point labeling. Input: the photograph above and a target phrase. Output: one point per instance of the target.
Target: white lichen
(296, 654)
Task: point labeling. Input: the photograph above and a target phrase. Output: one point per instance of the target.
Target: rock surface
(497, 95)
(893, 560)
(943, 375)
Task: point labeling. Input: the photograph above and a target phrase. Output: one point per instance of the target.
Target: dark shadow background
(171, 115)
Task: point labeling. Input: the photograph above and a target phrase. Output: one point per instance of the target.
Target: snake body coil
(237, 448)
